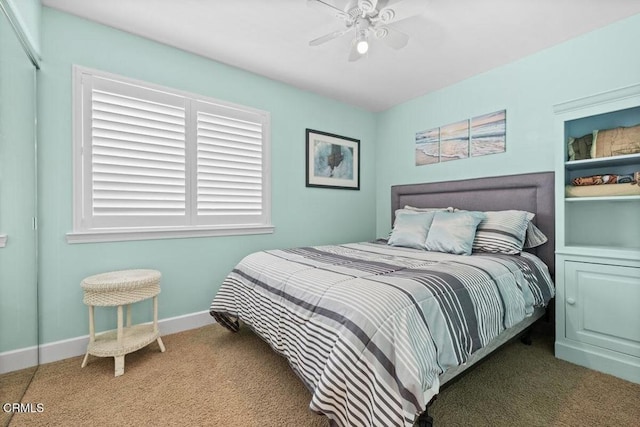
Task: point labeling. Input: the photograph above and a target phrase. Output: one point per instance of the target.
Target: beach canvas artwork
(479, 136)
(428, 147)
(489, 134)
(454, 141)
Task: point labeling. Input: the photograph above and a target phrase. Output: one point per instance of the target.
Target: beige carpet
(12, 387)
(210, 377)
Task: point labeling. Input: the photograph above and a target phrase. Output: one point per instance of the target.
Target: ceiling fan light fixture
(362, 32)
(369, 18)
(362, 46)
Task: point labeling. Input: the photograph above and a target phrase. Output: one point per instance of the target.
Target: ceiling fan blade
(391, 37)
(354, 55)
(329, 8)
(368, 6)
(403, 9)
(327, 37)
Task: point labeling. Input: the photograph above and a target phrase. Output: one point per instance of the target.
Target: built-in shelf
(597, 243)
(603, 199)
(601, 252)
(617, 161)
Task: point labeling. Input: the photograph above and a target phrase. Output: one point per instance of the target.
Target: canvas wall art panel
(428, 147)
(489, 134)
(454, 141)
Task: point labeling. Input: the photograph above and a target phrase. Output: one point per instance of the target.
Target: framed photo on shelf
(333, 161)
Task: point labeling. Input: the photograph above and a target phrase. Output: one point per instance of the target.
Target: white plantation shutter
(137, 156)
(151, 158)
(230, 172)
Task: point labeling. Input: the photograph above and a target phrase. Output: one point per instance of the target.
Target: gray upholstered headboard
(528, 192)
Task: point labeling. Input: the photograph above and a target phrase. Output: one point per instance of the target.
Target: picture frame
(332, 161)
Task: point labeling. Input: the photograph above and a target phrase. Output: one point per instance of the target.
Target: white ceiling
(450, 41)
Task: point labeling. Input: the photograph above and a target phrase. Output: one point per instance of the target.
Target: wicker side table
(119, 288)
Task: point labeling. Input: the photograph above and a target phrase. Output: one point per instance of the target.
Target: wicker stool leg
(84, 361)
(155, 322)
(92, 336)
(119, 362)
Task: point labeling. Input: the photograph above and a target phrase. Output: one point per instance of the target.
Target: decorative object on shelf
(580, 148)
(333, 161)
(620, 190)
(616, 142)
(594, 185)
(478, 136)
(607, 179)
(366, 20)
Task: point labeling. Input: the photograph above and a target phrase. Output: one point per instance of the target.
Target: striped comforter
(369, 328)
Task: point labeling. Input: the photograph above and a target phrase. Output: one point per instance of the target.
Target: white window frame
(87, 229)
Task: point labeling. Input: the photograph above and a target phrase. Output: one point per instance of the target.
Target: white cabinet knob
(571, 301)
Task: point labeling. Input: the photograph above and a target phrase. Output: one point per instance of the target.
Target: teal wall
(192, 269)
(18, 271)
(599, 61)
(27, 14)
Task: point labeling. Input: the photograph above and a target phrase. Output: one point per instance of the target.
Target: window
(153, 162)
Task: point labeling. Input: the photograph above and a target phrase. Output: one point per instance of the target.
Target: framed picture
(333, 161)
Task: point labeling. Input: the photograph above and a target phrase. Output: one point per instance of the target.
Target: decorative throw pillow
(502, 232)
(453, 232)
(412, 210)
(410, 229)
(535, 237)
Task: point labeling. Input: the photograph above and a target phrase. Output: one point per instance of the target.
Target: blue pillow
(410, 229)
(453, 232)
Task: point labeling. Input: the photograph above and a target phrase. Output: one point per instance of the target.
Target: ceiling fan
(366, 19)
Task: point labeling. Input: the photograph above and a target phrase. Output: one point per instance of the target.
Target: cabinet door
(603, 306)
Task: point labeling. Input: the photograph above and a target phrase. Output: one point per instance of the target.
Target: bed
(374, 329)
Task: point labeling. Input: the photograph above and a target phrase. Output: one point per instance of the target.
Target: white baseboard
(617, 364)
(51, 352)
(16, 360)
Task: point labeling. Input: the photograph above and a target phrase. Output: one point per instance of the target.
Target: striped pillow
(535, 237)
(502, 232)
(413, 208)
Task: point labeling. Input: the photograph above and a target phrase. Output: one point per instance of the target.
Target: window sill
(122, 235)
(3, 240)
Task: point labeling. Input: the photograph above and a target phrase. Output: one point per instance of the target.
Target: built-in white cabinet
(598, 244)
